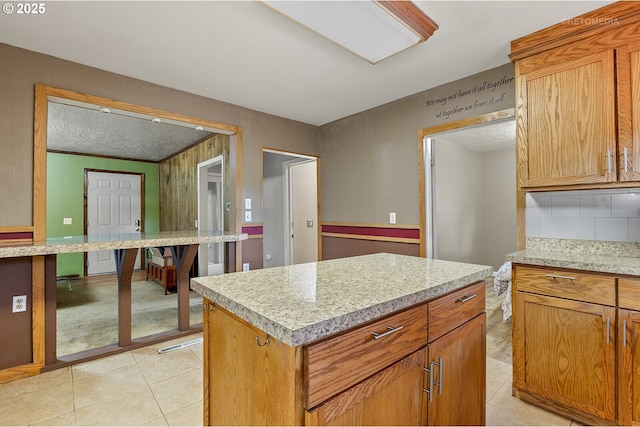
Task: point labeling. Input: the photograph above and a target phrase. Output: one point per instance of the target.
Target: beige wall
(458, 202)
(20, 70)
(370, 160)
(499, 206)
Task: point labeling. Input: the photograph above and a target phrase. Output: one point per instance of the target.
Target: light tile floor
(143, 387)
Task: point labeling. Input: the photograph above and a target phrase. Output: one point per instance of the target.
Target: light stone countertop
(596, 256)
(302, 303)
(59, 245)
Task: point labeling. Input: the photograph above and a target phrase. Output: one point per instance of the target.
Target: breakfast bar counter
(301, 344)
(70, 244)
(182, 244)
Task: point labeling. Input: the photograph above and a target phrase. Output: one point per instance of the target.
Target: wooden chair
(160, 269)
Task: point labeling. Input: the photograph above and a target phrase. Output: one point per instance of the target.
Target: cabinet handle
(429, 391)
(608, 160)
(466, 298)
(608, 330)
(439, 383)
(624, 333)
(557, 276)
(266, 341)
(626, 159)
(391, 329)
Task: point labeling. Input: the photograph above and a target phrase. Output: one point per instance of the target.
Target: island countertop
(302, 303)
(58, 245)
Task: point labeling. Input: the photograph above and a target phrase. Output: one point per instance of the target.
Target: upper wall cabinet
(628, 79)
(577, 89)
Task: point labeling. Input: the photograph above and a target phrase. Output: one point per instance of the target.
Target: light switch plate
(67, 221)
(392, 218)
(247, 203)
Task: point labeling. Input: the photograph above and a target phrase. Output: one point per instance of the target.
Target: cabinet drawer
(450, 311)
(629, 293)
(560, 283)
(338, 363)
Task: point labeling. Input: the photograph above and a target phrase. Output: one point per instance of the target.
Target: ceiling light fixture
(373, 30)
(156, 120)
(105, 110)
(199, 128)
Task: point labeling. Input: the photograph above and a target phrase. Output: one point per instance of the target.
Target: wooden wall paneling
(178, 183)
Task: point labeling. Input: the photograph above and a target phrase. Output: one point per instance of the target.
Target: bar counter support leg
(125, 261)
(183, 256)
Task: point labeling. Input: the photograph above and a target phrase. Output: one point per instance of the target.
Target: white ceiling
(244, 53)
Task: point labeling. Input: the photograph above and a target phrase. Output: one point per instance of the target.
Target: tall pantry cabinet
(577, 101)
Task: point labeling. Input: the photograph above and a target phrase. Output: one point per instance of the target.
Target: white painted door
(113, 207)
(211, 214)
(304, 211)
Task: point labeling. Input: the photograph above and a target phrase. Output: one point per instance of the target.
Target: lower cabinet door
(628, 367)
(393, 396)
(565, 354)
(456, 376)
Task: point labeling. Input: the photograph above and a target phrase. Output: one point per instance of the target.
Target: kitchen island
(376, 339)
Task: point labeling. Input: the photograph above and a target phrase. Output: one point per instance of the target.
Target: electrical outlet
(67, 221)
(392, 218)
(247, 216)
(245, 266)
(19, 303)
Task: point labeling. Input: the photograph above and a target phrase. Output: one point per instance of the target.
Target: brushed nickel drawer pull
(624, 333)
(557, 276)
(429, 391)
(391, 329)
(608, 330)
(466, 298)
(609, 161)
(439, 383)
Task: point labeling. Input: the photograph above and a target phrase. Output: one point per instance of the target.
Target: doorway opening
(470, 193)
(211, 212)
(290, 208)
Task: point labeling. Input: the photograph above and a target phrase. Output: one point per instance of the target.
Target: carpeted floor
(87, 316)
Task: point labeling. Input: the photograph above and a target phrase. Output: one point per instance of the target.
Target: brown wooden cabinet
(628, 80)
(381, 373)
(576, 102)
(629, 351)
(456, 376)
(567, 133)
(576, 339)
(392, 396)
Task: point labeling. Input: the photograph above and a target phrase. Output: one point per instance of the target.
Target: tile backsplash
(612, 215)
